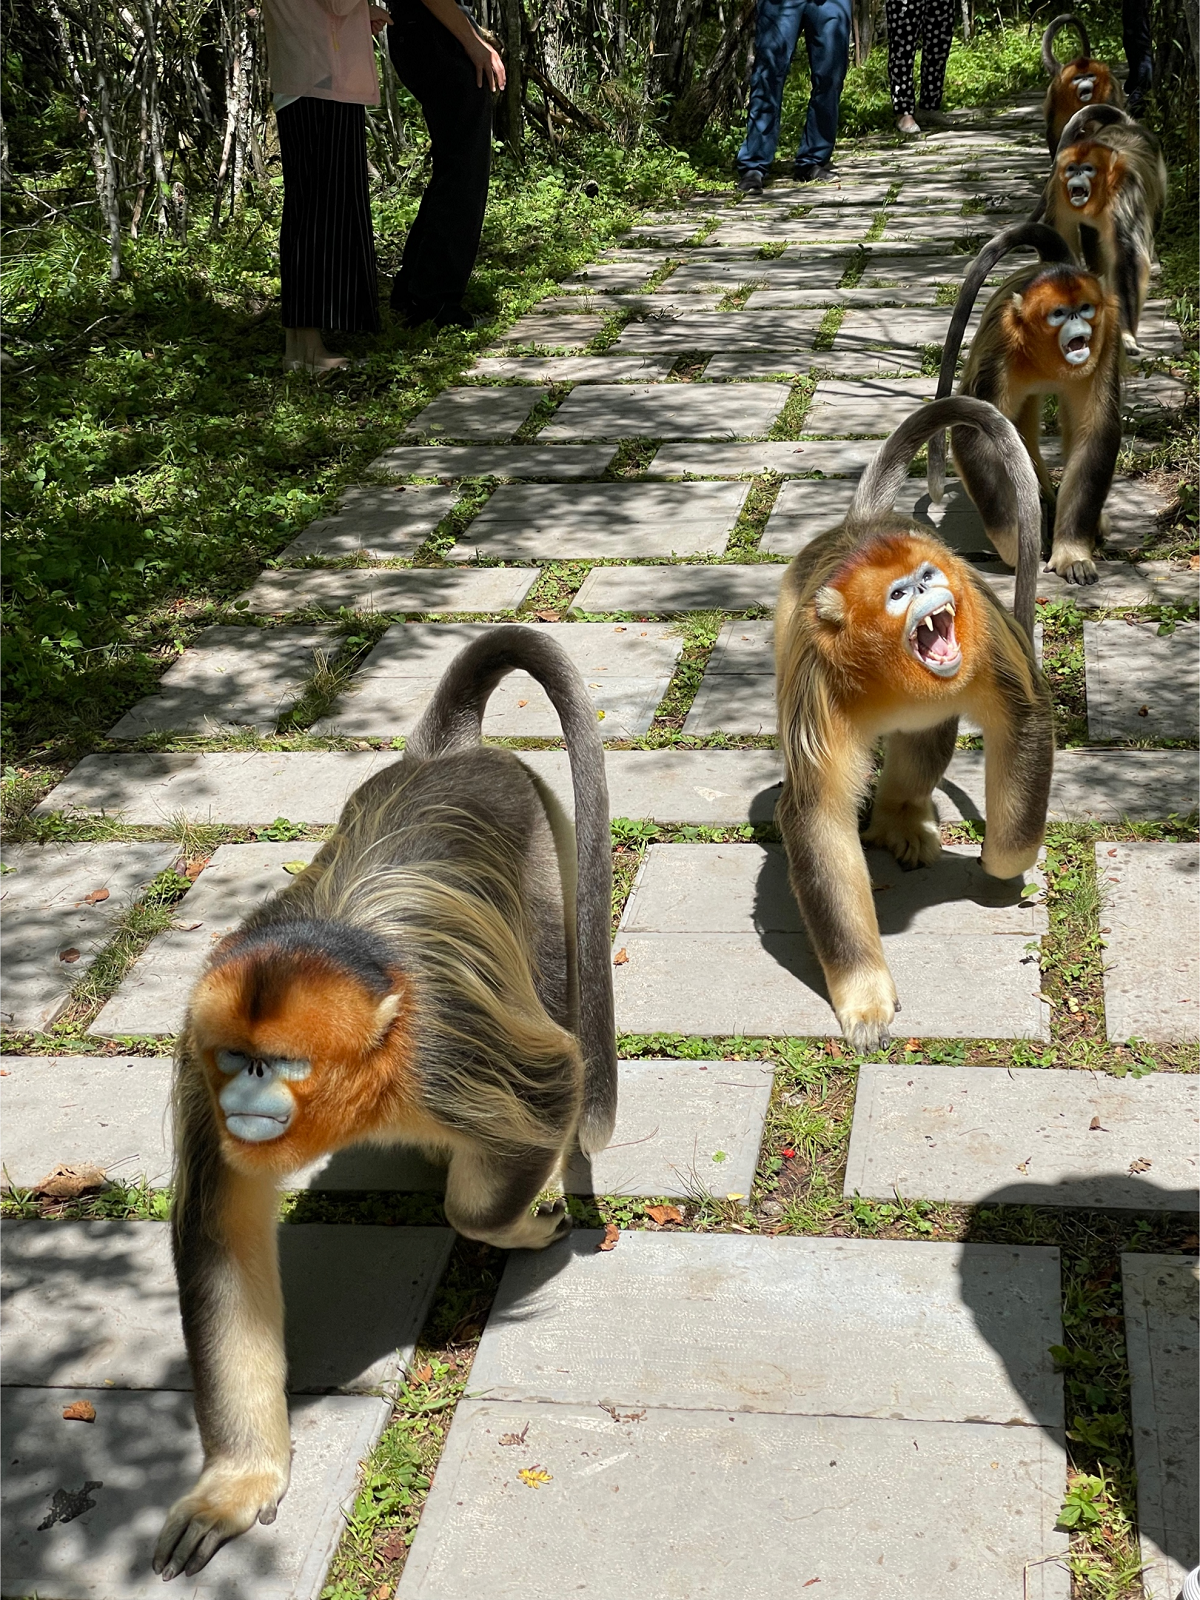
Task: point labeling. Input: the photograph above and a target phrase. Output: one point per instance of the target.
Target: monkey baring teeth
(933, 643)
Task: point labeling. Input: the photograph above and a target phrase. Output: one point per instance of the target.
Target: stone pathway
(718, 1413)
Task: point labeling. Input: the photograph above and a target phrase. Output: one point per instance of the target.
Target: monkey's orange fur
(1035, 356)
(361, 1080)
(1063, 99)
(1110, 170)
(875, 673)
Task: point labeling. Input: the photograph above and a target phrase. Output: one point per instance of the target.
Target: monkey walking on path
(1073, 84)
(1050, 329)
(440, 975)
(882, 632)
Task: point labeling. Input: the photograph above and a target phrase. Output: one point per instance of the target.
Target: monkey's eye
(1088, 172)
(230, 1062)
(1087, 312)
(1058, 316)
(898, 592)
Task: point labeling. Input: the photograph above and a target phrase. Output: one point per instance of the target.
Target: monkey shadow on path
(1151, 1298)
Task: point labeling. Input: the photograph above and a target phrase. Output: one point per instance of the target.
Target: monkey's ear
(385, 1015)
(829, 604)
(1018, 304)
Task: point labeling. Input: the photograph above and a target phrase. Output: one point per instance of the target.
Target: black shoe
(1135, 106)
(814, 172)
(750, 181)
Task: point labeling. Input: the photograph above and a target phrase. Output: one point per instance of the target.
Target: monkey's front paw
(865, 1006)
(1073, 563)
(909, 832)
(865, 1033)
(224, 1503)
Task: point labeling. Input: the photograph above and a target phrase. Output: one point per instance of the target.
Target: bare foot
(305, 352)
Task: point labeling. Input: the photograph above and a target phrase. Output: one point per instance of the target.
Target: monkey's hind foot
(225, 1502)
(534, 1230)
(865, 1004)
(909, 830)
(1072, 560)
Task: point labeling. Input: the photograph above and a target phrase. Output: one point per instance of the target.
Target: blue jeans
(826, 25)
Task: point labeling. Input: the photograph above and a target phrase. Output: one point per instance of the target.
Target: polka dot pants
(929, 25)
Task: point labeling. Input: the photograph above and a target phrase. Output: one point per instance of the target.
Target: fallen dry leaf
(95, 897)
(423, 1374)
(622, 1416)
(534, 1476)
(515, 1438)
(1191, 1241)
(1094, 1126)
(193, 868)
(1141, 1164)
(912, 1044)
(664, 1214)
(621, 958)
(294, 867)
(546, 616)
(383, 1592)
(70, 1179)
(1023, 1166)
(522, 702)
(186, 927)
(1143, 711)
(393, 1546)
(810, 1583)
(80, 1411)
(68, 956)
(612, 1236)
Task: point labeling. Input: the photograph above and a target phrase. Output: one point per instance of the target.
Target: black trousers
(1135, 28)
(327, 267)
(443, 241)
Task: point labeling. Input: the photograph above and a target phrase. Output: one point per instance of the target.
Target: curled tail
(1050, 246)
(880, 483)
(454, 719)
(1089, 120)
(1051, 66)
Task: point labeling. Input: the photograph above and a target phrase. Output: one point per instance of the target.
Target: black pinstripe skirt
(327, 265)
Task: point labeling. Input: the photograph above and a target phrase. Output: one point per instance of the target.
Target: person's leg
(440, 251)
(936, 34)
(775, 36)
(1135, 32)
(827, 37)
(903, 17)
(327, 268)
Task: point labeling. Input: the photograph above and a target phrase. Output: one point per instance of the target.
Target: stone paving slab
(975, 1134)
(604, 519)
(794, 364)
(666, 411)
(143, 1452)
(922, 225)
(626, 668)
(1151, 395)
(737, 692)
(785, 457)
(1120, 584)
(724, 330)
(792, 1326)
(562, 462)
(231, 679)
(847, 229)
(1150, 899)
(88, 1304)
(664, 302)
(381, 524)
(1158, 332)
(870, 406)
(1161, 1338)
(573, 369)
(988, 1499)
(816, 272)
(44, 892)
(364, 589)
(674, 1120)
(774, 299)
(152, 997)
(613, 275)
(480, 414)
(1141, 685)
(896, 327)
(715, 947)
(668, 591)
(311, 786)
(108, 1110)
(553, 332)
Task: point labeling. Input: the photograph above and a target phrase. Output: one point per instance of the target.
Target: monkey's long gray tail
(1050, 66)
(454, 720)
(1050, 246)
(1088, 120)
(880, 483)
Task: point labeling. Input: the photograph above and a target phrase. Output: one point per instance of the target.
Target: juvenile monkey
(884, 633)
(439, 976)
(1073, 84)
(1050, 329)
(1109, 175)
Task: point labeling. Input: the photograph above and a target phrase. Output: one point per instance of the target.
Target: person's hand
(488, 66)
(379, 18)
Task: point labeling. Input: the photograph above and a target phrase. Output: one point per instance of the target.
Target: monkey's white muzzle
(1079, 191)
(930, 637)
(256, 1101)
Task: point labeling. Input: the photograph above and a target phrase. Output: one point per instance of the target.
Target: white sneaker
(907, 125)
(1191, 1585)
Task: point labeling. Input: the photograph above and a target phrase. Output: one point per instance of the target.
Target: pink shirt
(321, 48)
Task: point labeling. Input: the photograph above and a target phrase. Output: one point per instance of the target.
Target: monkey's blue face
(926, 602)
(1074, 325)
(257, 1103)
(1080, 177)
